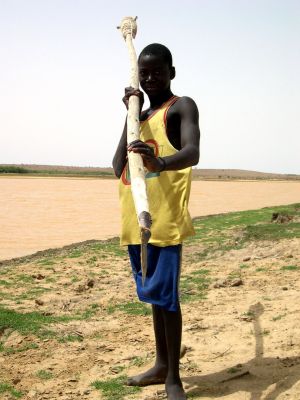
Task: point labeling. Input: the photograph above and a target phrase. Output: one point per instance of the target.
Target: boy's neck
(157, 101)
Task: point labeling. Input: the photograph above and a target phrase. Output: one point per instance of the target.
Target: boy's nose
(150, 77)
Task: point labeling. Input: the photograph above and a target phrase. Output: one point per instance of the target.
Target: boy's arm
(189, 136)
(186, 109)
(120, 157)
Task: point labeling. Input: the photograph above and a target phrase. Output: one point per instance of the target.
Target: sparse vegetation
(7, 388)
(56, 171)
(98, 323)
(132, 308)
(115, 389)
(290, 268)
(233, 231)
(44, 375)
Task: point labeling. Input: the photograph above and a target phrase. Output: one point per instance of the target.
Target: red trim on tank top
(171, 100)
(174, 99)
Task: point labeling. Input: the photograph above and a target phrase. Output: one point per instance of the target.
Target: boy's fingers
(143, 151)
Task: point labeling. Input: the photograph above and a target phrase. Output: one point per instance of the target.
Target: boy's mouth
(151, 88)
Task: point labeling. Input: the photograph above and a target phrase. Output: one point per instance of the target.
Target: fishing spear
(128, 29)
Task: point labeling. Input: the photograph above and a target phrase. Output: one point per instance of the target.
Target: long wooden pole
(137, 171)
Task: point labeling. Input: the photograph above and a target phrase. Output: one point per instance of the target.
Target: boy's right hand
(130, 91)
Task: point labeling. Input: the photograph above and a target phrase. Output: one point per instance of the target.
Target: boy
(169, 146)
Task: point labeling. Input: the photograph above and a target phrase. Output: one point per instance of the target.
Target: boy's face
(155, 74)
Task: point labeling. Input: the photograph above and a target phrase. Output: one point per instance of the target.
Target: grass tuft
(115, 389)
(44, 375)
(290, 268)
(7, 388)
(132, 308)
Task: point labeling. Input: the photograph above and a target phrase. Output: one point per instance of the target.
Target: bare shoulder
(186, 106)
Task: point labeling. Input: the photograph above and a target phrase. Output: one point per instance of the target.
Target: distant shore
(106, 172)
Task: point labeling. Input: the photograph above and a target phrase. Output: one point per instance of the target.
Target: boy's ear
(172, 73)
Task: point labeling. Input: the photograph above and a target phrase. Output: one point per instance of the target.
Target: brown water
(42, 213)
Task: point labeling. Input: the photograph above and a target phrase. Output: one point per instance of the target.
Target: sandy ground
(243, 342)
(41, 213)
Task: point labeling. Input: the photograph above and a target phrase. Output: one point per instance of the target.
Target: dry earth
(242, 337)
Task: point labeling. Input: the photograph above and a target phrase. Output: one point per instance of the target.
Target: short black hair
(160, 50)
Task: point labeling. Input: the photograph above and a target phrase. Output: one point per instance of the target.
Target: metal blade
(145, 223)
(144, 261)
(145, 236)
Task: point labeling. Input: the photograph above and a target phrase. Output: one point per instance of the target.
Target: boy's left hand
(151, 162)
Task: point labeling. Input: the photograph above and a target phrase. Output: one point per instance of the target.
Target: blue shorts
(162, 280)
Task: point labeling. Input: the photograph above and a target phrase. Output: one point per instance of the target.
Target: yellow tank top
(168, 191)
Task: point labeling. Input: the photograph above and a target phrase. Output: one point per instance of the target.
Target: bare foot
(153, 376)
(175, 391)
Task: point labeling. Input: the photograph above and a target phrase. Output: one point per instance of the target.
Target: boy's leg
(168, 330)
(158, 373)
(173, 329)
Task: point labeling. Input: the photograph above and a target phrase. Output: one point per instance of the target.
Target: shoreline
(194, 178)
(52, 251)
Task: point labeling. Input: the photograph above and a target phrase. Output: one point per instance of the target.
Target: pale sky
(64, 66)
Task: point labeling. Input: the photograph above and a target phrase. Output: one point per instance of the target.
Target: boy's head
(159, 50)
(155, 69)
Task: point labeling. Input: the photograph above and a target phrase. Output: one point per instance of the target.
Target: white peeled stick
(128, 29)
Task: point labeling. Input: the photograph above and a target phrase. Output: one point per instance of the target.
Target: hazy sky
(63, 67)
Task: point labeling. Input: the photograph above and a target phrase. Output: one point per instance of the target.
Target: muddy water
(42, 213)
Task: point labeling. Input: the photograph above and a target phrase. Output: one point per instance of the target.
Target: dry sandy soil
(242, 334)
(41, 213)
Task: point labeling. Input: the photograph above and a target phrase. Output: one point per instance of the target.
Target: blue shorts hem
(172, 307)
(161, 283)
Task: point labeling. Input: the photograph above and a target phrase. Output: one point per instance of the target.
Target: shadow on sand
(265, 378)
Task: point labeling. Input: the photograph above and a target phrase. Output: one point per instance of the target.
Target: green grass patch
(224, 232)
(278, 317)
(261, 269)
(244, 266)
(194, 286)
(7, 296)
(5, 283)
(44, 374)
(4, 271)
(89, 312)
(46, 261)
(139, 361)
(115, 389)
(50, 279)
(70, 338)
(36, 323)
(132, 308)
(290, 268)
(7, 388)
(271, 231)
(24, 278)
(32, 293)
(249, 314)
(75, 254)
(111, 246)
(91, 260)
(13, 350)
